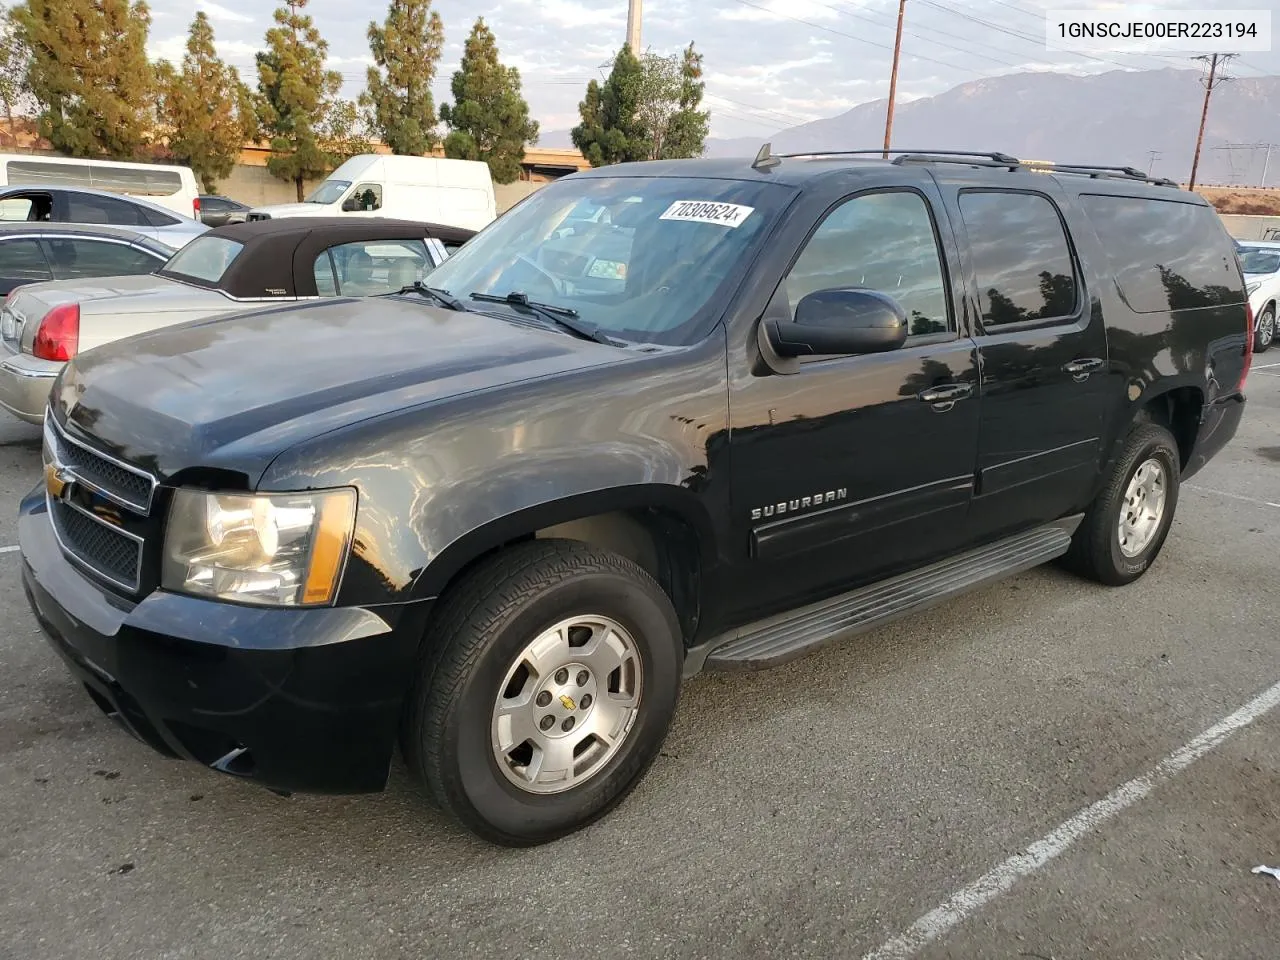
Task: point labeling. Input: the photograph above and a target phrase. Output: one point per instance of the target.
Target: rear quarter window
(1165, 255)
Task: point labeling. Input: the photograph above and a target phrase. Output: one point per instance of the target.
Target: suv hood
(234, 392)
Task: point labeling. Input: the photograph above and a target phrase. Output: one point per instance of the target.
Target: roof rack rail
(767, 159)
(1001, 159)
(1095, 171)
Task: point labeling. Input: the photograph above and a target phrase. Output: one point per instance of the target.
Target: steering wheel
(557, 285)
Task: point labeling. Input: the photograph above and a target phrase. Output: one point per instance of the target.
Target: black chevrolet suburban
(659, 418)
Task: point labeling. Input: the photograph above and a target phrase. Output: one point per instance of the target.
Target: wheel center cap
(565, 699)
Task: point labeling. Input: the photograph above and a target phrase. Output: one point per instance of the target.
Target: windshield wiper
(565, 318)
(444, 296)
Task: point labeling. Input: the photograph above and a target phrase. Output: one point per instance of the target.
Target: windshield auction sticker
(705, 211)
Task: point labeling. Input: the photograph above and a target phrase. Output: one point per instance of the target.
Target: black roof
(796, 170)
(278, 255)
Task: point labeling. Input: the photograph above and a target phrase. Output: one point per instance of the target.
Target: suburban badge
(795, 506)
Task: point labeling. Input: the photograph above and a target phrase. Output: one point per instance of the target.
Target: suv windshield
(1260, 261)
(639, 257)
(329, 192)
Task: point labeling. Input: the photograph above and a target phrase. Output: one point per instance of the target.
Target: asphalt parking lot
(923, 791)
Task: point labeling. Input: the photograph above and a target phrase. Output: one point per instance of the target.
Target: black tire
(485, 622)
(1095, 549)
(1265, 335)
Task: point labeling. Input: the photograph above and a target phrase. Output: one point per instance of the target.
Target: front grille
(99, 546)
(130, 487)
(99, 508)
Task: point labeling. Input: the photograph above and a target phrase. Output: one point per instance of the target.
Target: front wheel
(1126, 525)
(553, 674)
(1266, 332)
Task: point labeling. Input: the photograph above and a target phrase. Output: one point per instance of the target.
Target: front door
(850, 468)
(1044, 359)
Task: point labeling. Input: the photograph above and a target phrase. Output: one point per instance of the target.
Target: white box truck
(457, 193)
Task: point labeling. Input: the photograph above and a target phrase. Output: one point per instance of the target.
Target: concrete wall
(254, 186)
(507, 195)
(1244, 227)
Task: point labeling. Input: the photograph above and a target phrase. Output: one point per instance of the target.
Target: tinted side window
(156, 218)
(1166, 255)
(881, 241)
(86, 208)
(1020, 255)
(213, 204)
(140, 181)
(72, 259)
(23, 260)
(62, 174)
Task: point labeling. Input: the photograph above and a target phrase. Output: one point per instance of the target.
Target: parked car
(217, 211)
(1260, 261)
(35, 252)
(172, 187)
(27, 204)
(431, 189)
(232, 268)
(506, 514)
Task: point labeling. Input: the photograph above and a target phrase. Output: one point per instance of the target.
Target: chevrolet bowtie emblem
(55, 481)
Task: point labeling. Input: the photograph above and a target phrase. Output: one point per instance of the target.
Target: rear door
(1043, 347)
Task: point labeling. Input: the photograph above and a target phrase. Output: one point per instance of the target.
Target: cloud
(220, 14)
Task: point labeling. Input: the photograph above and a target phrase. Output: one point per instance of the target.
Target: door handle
(1080, 369)
(946, 393)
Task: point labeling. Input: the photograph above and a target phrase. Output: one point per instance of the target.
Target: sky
(770, 64)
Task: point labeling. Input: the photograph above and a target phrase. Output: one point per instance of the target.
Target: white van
(455, 193)
(172, 187)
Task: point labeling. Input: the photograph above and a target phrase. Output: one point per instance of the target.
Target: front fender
(442, 483)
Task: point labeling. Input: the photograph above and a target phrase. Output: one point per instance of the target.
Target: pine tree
(406, 50)
(344, 132)
(89, 73)
(15, 64)
(489, 119)
(206, 109)
(687, 128)
(294, 94)
(610, 131)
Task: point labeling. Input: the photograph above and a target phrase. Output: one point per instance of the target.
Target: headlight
(281, 549)
(1250, 287)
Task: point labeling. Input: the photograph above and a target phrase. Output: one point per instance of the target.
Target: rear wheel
(1266, 332)
(552, 679)
(1126, 525)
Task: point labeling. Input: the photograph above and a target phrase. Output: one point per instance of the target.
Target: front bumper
(25, 383)
(305, 699)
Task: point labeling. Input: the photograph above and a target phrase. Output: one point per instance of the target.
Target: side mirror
(840, 321)
(350, 205)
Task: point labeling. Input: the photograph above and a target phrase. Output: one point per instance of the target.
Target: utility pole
(1154, 155)
(633, 26)
(1213, 80)
(893, 79)
(1266, 162)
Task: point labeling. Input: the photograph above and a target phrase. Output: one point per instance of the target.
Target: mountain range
(1114, 118)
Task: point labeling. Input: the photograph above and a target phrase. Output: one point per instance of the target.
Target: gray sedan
(34, 252)
(41, 204)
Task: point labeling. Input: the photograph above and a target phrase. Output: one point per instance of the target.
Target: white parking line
(1264, 366)
(1263, 373)
(986, 888)
(1230, 496)
(9, 549)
